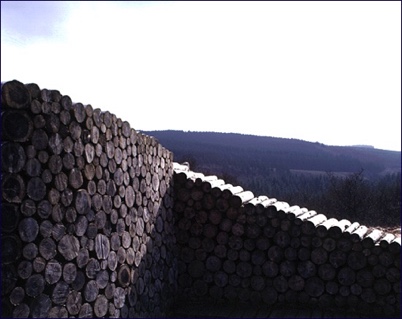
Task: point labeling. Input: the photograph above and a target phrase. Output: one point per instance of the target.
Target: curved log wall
(87, 222)
(93, 226)
(238, 248)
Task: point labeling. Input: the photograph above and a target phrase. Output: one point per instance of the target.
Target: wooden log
(332, 287)
(213, 263)
(74, 302)
(13, 158)
(319, 256)
(273, 208)
(302, 216)
(45, 95)
(101, 306)
(123, 276)
(316, 242)
(275, 253)
(47, 248)
(28, 207)
(17, 296)
(296, 283)
(102, 246)
(357, 260)
(60, 293)
(13, 188)
(382, 286)
(346, 276)
(10, 217)
(91, 291)
(79, 112)
(372, 237)
(287, 268)
(11, 249)
(34, 90)
(323, 229)
(286, 225)
(314, 287)
(15, 95)
(240, 198)
(365, 278)
(44, 209)
(36, 189)
(79, 281)
(338, 258)
(28, 229)
(386, 240)
(395, 246)
(344, 244)
(69, 273)
(52, 125)
(58, 312)
(303, 253)
(309, 225)
(282, 239)
(35, 285)
(307, 269)
(39, 140)
(86, 311)
(290, 254)
(33, 167)
(121, 255)
(253, 231)
(244, 255)
(65, 117)
(238, 229)
(40, 306)
(358, 233)
(386, 258)
(221, 279)
(75, 178)
(379, 271)
(295, 211)
(68, 246)
(10, 274)
(208, 185)
(230, 190)
(82, 201)
(280, 284)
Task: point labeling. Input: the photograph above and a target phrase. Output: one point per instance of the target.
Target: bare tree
(350, 194)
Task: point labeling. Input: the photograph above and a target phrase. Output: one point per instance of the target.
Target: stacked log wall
(87, 221)
(234, 247)
(95, 225)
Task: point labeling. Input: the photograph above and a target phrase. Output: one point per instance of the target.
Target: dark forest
(357, 183)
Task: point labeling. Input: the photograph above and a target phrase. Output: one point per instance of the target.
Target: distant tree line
(354, 196)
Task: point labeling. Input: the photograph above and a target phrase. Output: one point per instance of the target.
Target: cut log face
(15, 95)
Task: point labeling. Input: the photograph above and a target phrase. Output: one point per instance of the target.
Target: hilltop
(226, 153)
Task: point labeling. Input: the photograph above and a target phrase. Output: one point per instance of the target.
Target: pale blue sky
(319, 71)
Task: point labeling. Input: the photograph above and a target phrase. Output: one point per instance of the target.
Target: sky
(327, 72)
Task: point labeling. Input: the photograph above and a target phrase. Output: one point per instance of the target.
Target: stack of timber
(87, 221)
(234, 247)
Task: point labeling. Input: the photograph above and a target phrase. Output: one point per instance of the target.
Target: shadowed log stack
(237, 247)
(86, 211)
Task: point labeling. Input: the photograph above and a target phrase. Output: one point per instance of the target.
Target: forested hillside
(358, 183)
